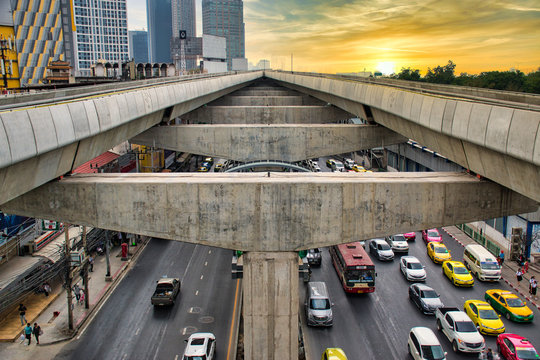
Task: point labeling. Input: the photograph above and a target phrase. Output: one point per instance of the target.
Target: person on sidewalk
(36, 331)
(46, 288)
(525, 267)
(28, 333)
(77, 291)
(501, 258)
(91, 263)
(22, 314)
(519, 275)
(533, 284)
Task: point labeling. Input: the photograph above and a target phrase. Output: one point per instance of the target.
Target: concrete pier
(270, 305)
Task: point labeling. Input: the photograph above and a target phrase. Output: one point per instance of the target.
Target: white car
(200, 346)
(412, 268)
(423, 344)
(398, 243)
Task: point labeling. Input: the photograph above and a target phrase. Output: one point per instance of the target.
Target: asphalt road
(129, 327)
(376, 326)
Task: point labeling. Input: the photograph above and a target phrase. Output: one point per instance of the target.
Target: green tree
(532, 82)
(408, 74)
(441, 74)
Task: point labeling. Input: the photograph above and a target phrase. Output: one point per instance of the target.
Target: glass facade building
(138, 46)
(183, 18)
(101, 33)
(226, 18)
(159, 19)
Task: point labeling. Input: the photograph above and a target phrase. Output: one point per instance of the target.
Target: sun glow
(386, 67)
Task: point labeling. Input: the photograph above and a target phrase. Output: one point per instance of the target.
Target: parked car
(515, 347)
(427, 299)
(398, 243)
(431, 235)
(509, 304)
(460, 330)
(314, 256)
(381, 249)
(457, 273)
(424, 345)
(410, 236)
(200, 346)
(487, 321)
(166, 291)
(412, 268)
(334, 354)
(438, 252)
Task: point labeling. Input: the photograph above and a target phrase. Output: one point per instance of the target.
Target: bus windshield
(354, 276)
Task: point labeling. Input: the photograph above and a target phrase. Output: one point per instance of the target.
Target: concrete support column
(270, 305)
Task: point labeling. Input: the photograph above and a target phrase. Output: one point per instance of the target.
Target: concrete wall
(38, 144)
(267, 115)
(266, 101)
(280, 212)
(277, 142)
(494, 139)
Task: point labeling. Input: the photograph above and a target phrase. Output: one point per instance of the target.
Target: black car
(314, 256)
(425, 298)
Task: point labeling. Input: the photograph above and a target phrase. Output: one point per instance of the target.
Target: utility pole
(69, 280)
(85, 269)
(107, 245)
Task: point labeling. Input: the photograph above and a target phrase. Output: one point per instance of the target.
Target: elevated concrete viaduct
(285, 142)
(494, 138)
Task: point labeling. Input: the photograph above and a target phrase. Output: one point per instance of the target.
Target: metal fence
(481, 239)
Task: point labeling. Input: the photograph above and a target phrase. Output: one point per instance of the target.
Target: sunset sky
(352, 35)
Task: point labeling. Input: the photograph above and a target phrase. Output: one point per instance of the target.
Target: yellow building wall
(149, 160)
(10, 59)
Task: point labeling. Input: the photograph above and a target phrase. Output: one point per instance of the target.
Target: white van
(423, 344)
(481, 263)
(338, 166)
(318, 305)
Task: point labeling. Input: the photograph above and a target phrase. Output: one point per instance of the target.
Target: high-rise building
(100, 33)
(226, 18)
(159, 18)
(138, 46)
(183, 18)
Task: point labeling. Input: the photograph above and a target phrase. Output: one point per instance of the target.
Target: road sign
(49, 225)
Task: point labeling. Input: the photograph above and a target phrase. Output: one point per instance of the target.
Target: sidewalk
(509, 268)
(41, 309)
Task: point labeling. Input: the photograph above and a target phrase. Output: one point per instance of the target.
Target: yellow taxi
(438, 252)
(484, 317)
(509, 304)
(457, 273)
(358, 168)
(333, 354)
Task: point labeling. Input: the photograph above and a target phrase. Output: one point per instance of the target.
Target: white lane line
(197, 293)
(138, 331)
(202, 277)
(176, 357)
(124, 357)
(209, 251)
(206, 263)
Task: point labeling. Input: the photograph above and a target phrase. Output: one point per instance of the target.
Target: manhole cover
(195, 310)
(188, 330)
(206, 319)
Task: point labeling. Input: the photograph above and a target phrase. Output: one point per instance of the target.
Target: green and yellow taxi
(484, 317)
(457, 273)
(438, 252)
(509, 304)
(333, 354)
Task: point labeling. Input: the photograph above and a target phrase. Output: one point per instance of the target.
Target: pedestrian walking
(77, 291)
(22, 314)
(525, 267)
(46, 288)
(519, 275)
(37, 331)
(81, 297)
(501, 258)
(91, 263)
(28, 333)
(533, 284)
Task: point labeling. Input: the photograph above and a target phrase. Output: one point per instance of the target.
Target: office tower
(226, 18)
(38, 35)
(183, 18)
(100, 34)
(138, 46)
(159, 18)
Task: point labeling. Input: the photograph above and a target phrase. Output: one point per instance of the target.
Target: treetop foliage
(514, 80)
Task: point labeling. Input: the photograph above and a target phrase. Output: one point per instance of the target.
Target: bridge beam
(266, 115)
(265, 142)
(270, 211)
(270, 305)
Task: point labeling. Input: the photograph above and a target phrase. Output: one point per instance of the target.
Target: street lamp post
(4, 47)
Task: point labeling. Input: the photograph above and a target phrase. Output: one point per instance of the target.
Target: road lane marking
(197, 293)
(138, 331)
(176, 357)
(124, 357)
(202, 277)
(233, 319)
(206, 263)
(209, 251)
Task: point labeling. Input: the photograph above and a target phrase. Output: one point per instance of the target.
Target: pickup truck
(166, 291)
(460, 330)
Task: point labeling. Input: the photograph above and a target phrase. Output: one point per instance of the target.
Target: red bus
(354, 267)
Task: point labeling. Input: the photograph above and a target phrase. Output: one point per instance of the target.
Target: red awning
(97, 162)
